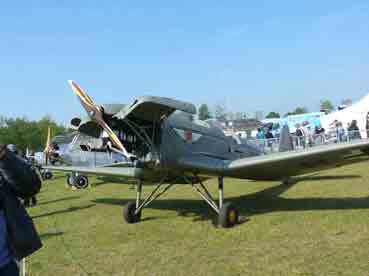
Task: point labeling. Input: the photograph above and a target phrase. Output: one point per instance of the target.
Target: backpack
(19, 176)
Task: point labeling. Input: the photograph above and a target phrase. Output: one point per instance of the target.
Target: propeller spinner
(95, 113)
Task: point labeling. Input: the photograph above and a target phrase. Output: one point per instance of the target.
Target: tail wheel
(81, 182)
(129, 214)
(228, 215)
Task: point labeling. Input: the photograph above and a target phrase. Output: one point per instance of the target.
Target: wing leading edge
(280, 165)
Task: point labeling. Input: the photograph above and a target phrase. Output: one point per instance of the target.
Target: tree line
(325, 106)
(221, 113)
(31, 134)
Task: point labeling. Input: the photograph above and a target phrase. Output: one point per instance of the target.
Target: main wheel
(129, 214)
(81, 182)
(228, 215)
(46, 175)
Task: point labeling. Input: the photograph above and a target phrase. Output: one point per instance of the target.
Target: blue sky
(251, 55)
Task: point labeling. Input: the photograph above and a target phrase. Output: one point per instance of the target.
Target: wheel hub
(232, 216)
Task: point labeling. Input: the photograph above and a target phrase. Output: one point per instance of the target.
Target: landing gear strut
(132, 210)
(227, 214)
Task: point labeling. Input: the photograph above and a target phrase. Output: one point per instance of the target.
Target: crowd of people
(307, 136)
(342, 133)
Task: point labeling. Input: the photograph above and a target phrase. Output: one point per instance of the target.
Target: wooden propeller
(95, 113)
(48, 147)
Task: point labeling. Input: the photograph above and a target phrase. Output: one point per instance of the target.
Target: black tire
(47, 175)
(81, 182)
(228, 215)
(129, 213)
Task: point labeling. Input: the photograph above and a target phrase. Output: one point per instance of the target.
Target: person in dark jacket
(270, 138)
(353, 130)
(28, 201)
(17, 179)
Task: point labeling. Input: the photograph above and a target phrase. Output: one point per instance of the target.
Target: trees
(273, 114)
(204, 113)
(326, 105)
(28, 134)
(300, 110)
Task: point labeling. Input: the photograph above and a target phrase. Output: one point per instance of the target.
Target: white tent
(357, 111)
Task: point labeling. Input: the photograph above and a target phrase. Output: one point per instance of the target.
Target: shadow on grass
(58, 200)
(69, 210)
(116, 179)
(265, 201)
(120, 180)
(46, 236)
(326, 177)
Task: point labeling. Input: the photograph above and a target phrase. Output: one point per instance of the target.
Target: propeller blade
(95, 113)
(47, 149)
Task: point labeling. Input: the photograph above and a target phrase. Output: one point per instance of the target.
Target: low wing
(130, 172)
(280, 165)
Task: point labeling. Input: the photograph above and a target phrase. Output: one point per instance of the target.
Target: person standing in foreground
(18, 237)
(28, 201)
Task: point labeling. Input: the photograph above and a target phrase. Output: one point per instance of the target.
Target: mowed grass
(319, 226)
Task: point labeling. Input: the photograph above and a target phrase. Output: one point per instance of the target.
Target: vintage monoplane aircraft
(167, 145)
(75, 149)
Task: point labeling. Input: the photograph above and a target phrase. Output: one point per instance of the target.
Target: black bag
(19, 176)
(22, 234)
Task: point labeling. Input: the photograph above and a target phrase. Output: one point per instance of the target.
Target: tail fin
(285, 142)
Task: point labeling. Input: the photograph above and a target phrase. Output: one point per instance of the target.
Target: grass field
(319, 226)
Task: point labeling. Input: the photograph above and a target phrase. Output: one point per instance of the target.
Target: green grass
(319, 226)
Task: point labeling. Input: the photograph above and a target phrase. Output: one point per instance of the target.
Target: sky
(247, 55)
